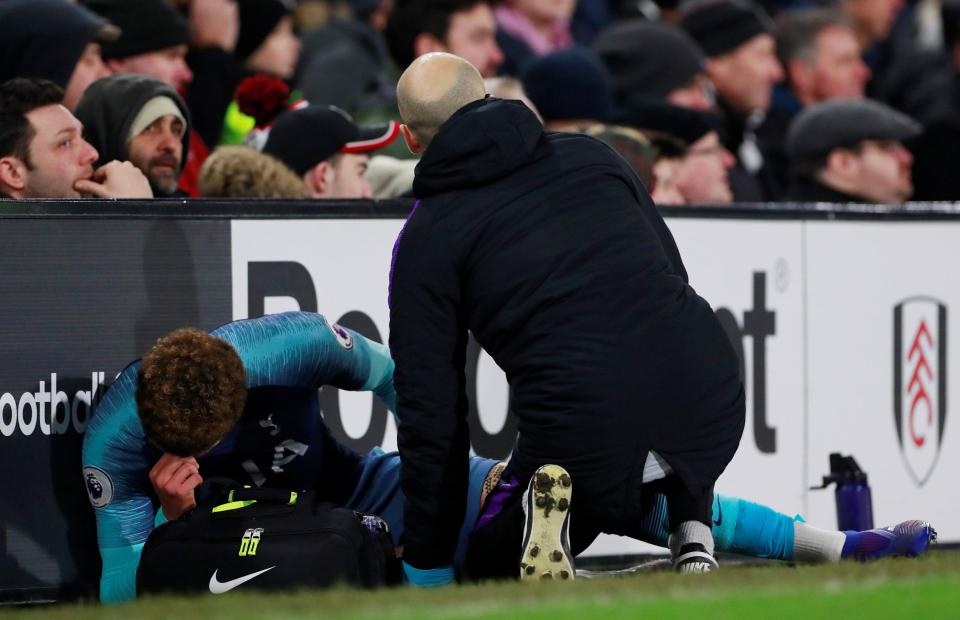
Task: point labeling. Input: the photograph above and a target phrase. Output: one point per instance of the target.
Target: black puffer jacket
(547, 248)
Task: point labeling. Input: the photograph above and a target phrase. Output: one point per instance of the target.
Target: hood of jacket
(110, 105)
(234, 171)
(482, 142)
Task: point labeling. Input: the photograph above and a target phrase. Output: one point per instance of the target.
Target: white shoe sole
(546, 545)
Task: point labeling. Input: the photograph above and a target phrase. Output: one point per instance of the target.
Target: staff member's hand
(175, 478)
(117, 179)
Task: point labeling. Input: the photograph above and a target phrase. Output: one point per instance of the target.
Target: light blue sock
(738, 526)
(751, 529)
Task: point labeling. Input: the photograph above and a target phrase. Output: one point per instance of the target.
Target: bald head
(432, 88)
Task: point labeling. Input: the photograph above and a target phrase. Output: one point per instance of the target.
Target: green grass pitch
(916, 589)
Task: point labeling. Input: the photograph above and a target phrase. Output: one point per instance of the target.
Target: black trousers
(494, 550)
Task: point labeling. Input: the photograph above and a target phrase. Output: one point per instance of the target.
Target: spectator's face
(701, 176)
(837, 70)
(698, 94)
(277, 55)
(167, 65)
(347, 177)
(472, 35)
(882, 172)
(873, 19)
(89, 69)
(158, 152)
(665, 190)
(545, 11)
(59, 156)
(745, 76)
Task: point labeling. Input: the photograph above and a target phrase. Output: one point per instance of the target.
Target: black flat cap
(845, 123)
(647, 58)
(722, 26)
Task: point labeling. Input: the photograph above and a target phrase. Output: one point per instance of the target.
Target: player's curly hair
(191, 390)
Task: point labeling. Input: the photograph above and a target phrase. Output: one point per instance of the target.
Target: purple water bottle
(854, 502)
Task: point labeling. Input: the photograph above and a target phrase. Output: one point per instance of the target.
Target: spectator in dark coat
(547, 248)
(53, 40)
(851, 151)
(821, 57)
(154, 42)
(654, 61)
(736, 36)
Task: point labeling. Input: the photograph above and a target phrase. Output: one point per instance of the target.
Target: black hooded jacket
(109, 107)
(547, 248)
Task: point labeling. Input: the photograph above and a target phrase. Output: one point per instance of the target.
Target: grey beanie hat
(648, 59)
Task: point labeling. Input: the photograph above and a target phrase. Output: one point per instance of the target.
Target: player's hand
(117, 179)
(175, 478)
(214, 23)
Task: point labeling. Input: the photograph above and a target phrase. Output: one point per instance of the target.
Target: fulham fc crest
(920, 382)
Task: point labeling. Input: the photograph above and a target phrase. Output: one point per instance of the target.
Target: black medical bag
(266, 539)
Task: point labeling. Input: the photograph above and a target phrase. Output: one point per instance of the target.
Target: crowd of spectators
(710, 101)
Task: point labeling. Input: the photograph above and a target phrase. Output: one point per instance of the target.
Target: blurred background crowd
(710, 101)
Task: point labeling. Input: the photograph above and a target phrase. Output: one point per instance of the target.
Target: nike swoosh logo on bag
(218, 587)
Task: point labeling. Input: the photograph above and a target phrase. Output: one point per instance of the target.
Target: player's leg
(689, 515)
(377, 491)
(529, 525)
(754, 530)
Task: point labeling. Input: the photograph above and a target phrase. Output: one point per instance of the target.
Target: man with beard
(142, 119)
(44, 155)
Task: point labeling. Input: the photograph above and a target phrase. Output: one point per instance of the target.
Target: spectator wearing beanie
(266, 46)
(742, 63)
(140, 119)
(697, 170)
(572, 91)
(266, 43)
(570, 88)
(53, 40)
(154, 42)
(655, 61)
